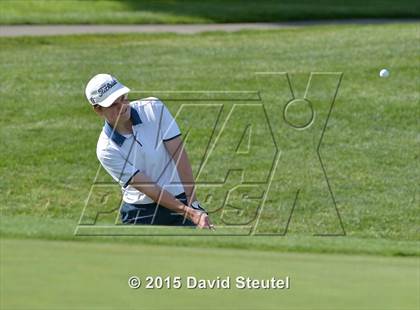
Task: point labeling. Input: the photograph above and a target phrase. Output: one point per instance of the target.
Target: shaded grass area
(192, 11)
(48, 161)
(56, 274)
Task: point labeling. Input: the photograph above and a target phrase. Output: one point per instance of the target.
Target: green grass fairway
(192, 11)
(63, 275)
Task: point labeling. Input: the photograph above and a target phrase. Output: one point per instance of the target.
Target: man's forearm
(176, 149)
(186, 175)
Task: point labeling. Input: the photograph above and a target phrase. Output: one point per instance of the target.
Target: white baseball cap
(104, 89)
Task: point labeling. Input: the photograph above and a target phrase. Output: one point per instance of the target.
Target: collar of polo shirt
(117, 137)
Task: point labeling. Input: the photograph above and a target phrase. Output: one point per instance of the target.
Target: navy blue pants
(153, 214)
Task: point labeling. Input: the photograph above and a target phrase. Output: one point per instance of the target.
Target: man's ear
(98, 110)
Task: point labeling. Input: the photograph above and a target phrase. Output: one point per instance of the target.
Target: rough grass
(192, 11)
(48, 161)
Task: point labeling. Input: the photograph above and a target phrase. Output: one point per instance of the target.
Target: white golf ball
(384, 73)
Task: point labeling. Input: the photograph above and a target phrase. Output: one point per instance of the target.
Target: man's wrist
(197, 206)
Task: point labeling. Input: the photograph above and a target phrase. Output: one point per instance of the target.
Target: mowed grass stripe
(48, 160)
(36, 227)
(55, 275)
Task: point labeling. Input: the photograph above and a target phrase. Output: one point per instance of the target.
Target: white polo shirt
(123, 156)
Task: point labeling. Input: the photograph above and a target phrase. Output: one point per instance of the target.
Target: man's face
(118, 111)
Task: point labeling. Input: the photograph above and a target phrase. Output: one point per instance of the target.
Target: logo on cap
(102, 90)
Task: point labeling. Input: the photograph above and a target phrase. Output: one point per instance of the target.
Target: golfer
(141, 148)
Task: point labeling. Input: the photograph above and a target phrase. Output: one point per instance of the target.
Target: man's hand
(201, 219)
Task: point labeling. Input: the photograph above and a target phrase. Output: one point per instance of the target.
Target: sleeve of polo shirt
(168, 127)
(119, 168)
